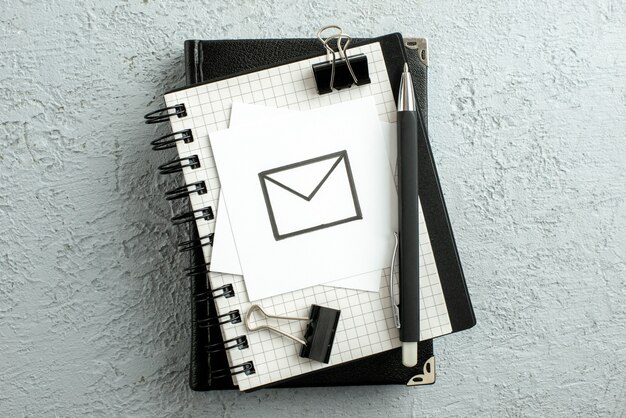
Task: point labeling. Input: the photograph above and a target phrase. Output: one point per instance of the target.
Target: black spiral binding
(247, 368)
(205, 213)
(226, 291)
(240, 342)
(170, 140)
(199, 271)
(232, 317)
(196, 243)
(164, 114)
(178, 164)
(183, 191)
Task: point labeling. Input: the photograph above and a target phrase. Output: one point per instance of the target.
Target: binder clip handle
(254, 308)
(329, 51)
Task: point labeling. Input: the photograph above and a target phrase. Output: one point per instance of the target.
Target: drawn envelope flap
(305, 178)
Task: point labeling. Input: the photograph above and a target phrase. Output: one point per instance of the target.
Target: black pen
(408, 220)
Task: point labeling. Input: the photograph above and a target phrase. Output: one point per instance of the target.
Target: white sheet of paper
(276, 256)
(225, 258)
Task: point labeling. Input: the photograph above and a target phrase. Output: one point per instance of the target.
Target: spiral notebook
(366, 326)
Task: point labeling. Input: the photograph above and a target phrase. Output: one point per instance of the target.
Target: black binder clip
(339, 74)
(320, 331)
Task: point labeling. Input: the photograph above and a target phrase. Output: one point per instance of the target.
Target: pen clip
(394, 305)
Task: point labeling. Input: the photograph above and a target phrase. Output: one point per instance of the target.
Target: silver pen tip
(406, 96)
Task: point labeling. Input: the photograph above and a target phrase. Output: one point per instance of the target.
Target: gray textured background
(528, 127)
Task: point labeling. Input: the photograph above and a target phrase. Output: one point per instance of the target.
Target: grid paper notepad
(366, 323)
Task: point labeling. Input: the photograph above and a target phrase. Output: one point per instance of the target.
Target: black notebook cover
(209, 60)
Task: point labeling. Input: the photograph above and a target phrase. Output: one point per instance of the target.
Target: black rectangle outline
(355, 199)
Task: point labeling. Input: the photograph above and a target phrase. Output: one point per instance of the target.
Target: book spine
(193, 62)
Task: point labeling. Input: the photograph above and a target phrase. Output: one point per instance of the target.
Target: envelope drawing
(310, 195)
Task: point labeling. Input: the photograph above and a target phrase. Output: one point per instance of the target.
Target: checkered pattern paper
(366, 323)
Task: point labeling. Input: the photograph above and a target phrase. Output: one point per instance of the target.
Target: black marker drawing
(340, 167)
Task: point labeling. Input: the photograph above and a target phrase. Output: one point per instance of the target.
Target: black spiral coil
(226, 291)
(246, 368)
(164, 114)
(170, 140)
(199, 271)
(205, 213)
(232, 317)
(184, 191)
(178, 164)
(240, 342)
(192, 244)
